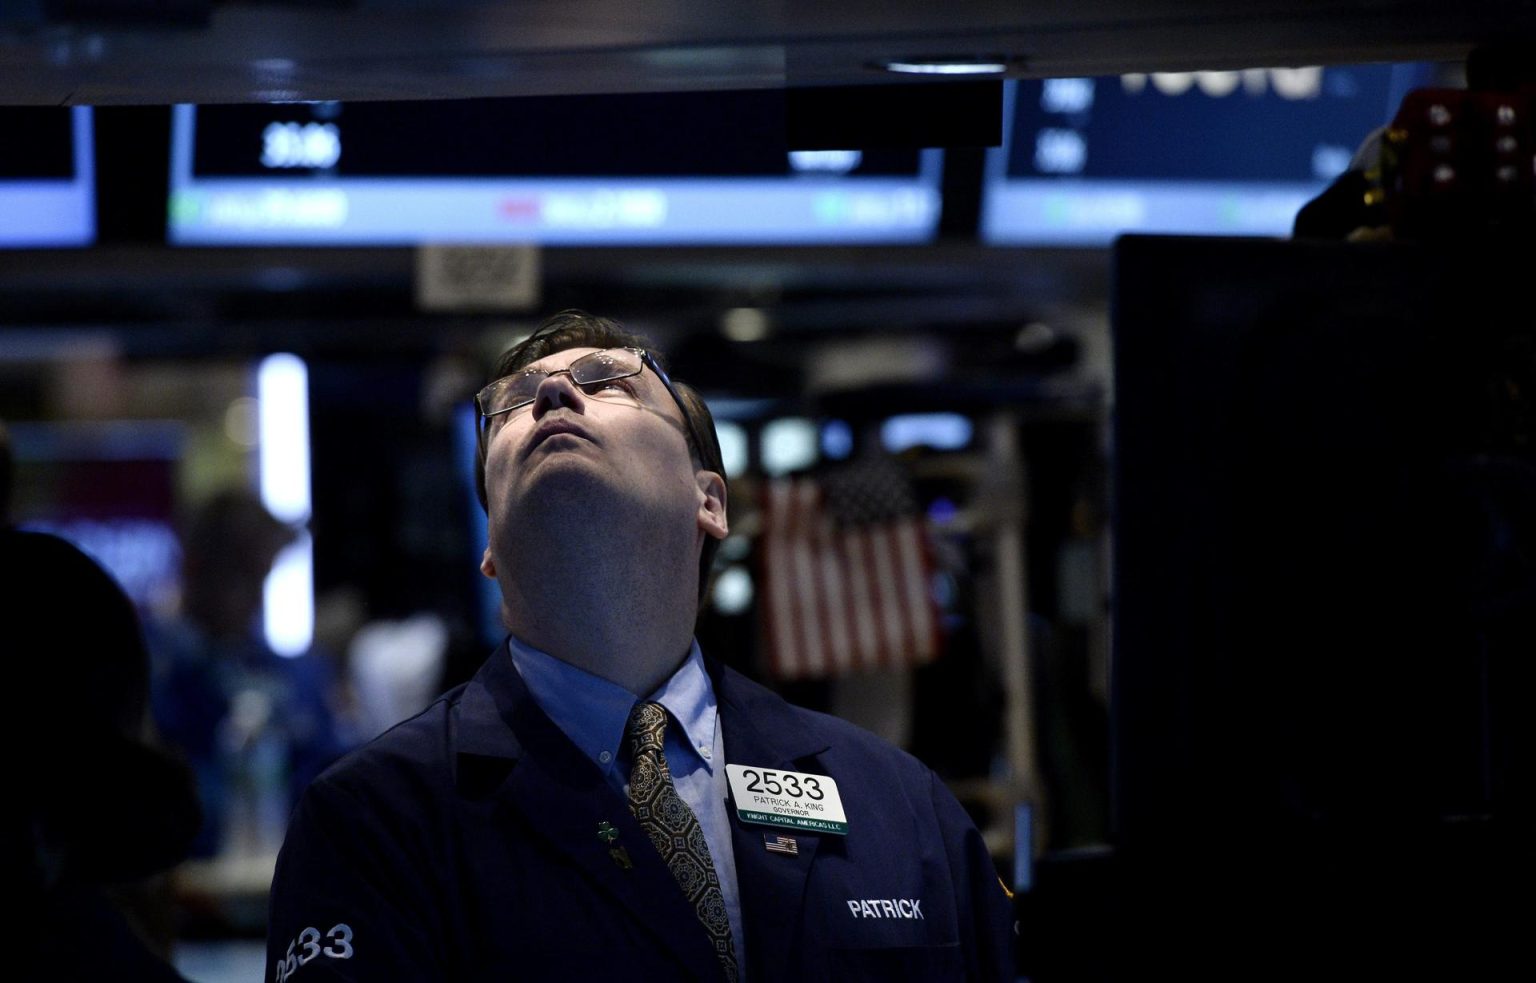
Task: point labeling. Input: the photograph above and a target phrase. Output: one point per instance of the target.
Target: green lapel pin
(607, 833)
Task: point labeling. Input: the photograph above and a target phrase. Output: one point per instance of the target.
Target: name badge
(790, 799)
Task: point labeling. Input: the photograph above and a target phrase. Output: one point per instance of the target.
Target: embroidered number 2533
(337, 945)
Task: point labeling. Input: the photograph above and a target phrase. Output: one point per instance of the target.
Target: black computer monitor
(1324, 609)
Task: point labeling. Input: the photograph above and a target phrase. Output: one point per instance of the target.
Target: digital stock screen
(1226, 153)
(675, 168)
(47, 191)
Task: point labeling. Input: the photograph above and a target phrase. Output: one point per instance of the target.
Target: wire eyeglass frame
(647, 360)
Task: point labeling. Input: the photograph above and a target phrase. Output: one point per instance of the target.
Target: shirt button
(604, 757)
(707, 752)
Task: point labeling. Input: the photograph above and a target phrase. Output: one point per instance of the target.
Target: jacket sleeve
(984, 906)
(350, 897)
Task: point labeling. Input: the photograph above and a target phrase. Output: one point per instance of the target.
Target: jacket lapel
(562, 798)
(761, 729)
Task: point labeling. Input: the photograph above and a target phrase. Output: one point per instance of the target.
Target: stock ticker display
(46, 188)
(674, 168)
(1214, 152)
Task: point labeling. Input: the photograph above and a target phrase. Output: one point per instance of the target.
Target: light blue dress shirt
(592, 712)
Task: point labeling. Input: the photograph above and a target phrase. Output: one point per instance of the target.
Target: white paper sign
(477, 278)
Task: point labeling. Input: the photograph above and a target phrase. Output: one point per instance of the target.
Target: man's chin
(563, 482)
(563, 464)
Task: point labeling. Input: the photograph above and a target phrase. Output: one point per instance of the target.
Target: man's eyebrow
(531, 367)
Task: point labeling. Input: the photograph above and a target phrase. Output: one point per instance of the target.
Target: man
(577, 810)
(99, 810)
(220, 694)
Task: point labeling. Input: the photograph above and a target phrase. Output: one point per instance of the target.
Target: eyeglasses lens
(603, 366)
(615, 363)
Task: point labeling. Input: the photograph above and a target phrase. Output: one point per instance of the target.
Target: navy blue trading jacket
(463, 845)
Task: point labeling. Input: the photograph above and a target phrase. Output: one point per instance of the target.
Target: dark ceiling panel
(415, 49)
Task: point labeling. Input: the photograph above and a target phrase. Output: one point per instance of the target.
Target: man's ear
(488, 564)
(712, 517)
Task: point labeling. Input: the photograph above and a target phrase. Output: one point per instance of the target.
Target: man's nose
(557, 391)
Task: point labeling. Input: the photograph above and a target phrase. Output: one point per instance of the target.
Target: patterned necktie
(674, 829)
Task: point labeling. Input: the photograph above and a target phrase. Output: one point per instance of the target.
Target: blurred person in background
(102, 808)
(256, 726)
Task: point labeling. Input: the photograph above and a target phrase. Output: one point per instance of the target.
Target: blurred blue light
(836, 439)
(788, 444)
(941, 431)
(733, 447)
(942, 511)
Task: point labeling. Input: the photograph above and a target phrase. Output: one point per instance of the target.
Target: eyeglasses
(515, 391)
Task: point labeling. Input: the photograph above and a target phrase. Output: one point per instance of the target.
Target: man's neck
(628, 622)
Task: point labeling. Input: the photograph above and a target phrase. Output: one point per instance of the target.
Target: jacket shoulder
(820, 732)
(415, 751)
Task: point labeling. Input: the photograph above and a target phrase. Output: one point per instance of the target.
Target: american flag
(846, 569)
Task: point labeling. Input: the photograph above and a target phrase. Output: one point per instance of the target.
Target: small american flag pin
(777, 843)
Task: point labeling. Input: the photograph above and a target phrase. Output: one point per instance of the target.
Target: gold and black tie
(674, 829)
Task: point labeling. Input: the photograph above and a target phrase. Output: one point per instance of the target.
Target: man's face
(583, 455)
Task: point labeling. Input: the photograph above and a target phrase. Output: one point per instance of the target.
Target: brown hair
(578, 329)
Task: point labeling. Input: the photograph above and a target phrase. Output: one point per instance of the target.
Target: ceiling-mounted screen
(1227, 153)
(47, 191)
(673, 168)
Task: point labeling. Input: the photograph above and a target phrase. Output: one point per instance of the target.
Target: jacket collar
(489, 707)
(761, 729)
(540, 785)
(510, 752)
(498, 717)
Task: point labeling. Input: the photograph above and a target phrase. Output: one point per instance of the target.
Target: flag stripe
(860, 602)
(916, 596)
(892, 634)
(847, 597)
(835, 611)
(810, 661)
(819, 530)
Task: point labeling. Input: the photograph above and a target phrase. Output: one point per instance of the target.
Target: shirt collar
(592, 711)
(690, 697)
